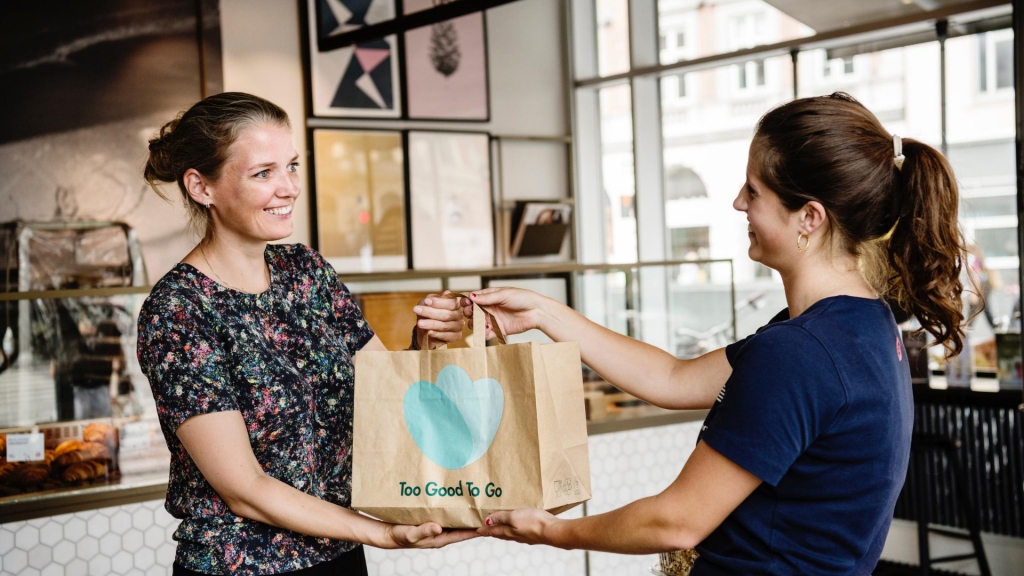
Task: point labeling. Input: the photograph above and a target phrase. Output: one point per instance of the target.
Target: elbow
(677, 537)
(242, 499)
(675, 533)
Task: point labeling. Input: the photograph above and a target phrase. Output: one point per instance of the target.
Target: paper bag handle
(481, 318)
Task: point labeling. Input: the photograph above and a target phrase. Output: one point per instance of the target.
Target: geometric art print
(354, 81)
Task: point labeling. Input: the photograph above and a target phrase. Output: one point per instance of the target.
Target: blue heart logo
(454, 421)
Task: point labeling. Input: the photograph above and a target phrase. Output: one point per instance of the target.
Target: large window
(706, 113)
(980, 145)
(617, 174)
(696, 28)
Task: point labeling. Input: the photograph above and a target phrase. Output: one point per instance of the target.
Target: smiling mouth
(280, 211)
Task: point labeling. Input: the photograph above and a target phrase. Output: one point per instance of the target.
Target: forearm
(645, 371)
(646, 526)
(273, 502)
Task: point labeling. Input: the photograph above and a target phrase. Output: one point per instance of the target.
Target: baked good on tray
(87, 451)
(80, 471)
(98, 432)
(28, 475)
(68, 446)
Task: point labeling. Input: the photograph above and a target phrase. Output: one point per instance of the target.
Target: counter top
(65, 500)
(153, 486)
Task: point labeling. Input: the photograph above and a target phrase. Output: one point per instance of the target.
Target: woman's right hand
(516, 310)
(429, 535)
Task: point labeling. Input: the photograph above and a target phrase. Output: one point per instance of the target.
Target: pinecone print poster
(446, 67)
(444, 48)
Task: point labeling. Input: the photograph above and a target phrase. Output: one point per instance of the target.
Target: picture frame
(360, 198)
(360, 81)
(445, 68)
(451, 205)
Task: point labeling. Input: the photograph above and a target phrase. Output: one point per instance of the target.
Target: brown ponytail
(833, 150)
(200, 138)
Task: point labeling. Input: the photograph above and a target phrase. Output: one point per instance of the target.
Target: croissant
(5, 470)
(98, 433)
(28, 475)
(84, 471)
(97, 450)
(68, 446)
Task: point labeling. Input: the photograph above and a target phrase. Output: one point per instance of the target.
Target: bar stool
(921, 445)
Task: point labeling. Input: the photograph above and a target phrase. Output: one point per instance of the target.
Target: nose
(740, 203)
(290, 187)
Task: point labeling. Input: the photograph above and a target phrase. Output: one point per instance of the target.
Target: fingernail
(488, 326)
(428, 302)
(417, 309)
(473, 294)
(488, 521)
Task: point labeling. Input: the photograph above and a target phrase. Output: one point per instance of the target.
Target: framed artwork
(446, 67)
(360, 199)
(450, 200)
(360, 81)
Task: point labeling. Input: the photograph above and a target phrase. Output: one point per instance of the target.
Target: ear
(197, 186)
(811, 217)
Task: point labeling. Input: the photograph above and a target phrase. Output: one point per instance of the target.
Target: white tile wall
(132, 539)
(627, 466)
(136, 539)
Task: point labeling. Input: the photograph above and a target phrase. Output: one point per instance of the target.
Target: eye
(293, 167)
(263, 174)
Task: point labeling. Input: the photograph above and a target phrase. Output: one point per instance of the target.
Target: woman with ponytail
(805, 447)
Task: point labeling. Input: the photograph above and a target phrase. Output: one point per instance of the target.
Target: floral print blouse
(283, 358)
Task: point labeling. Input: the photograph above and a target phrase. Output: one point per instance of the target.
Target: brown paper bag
(451, 436)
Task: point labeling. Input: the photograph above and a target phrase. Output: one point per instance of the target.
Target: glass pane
(980, 135)
(602, 298)
(706, 137)
(617, 173)
(68, 368)
(901, 86)
(612, 36)
(691, 29)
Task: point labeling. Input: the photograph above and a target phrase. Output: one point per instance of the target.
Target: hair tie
(898, 157)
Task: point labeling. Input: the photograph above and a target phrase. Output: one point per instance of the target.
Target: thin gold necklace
(221, 280)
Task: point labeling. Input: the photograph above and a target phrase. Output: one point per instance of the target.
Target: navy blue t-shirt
(820, 408)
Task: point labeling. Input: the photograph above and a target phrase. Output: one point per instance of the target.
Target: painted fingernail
(488, 521)
(473, 294)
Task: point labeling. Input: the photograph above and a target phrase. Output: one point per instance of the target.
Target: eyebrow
(269, 164)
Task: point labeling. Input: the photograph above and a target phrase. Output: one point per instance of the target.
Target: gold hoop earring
(806, 244)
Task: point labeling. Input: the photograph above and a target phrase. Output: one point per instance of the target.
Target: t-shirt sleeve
(184, 361)
(784, 392)
(733, 349)
(355, 330)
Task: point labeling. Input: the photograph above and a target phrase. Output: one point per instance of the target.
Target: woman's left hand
(527, 526)
(442, 318)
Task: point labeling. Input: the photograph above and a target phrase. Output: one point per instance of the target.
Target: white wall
(262, 56)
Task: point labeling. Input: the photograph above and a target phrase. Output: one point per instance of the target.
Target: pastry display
(66, 462)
